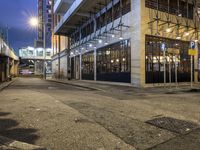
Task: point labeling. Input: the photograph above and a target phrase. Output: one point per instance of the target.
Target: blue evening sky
(15, 14)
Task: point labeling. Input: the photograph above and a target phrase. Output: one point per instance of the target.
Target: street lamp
(34, 23)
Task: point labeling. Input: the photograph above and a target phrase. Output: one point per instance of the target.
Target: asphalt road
(65, 117)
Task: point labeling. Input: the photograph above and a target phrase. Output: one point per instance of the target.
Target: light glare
(33, 21)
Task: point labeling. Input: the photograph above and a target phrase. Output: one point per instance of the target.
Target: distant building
(32, 60)
(44, 16)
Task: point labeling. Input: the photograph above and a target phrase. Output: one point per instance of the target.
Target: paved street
(63, 116)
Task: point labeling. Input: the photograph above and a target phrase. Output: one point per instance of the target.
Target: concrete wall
(63, 67)
(55, 68)
(2, 70)
(8, 67)
(60, 66)
(14, 68)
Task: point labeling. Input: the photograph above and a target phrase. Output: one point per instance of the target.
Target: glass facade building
(121, 41)
(88, 66)
(113, 62)
(154, 62)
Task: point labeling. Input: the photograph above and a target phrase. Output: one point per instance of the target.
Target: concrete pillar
(74, 67)
(1, 69)
(95, 64)
(138, 29)
(80, 66)
(16, 64)
(59, 49)
(12, 67)
(8, 67)
(35, 67)
(196, 65)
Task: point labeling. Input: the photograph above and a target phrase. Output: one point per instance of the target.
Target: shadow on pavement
(4, 114)
(8, 128)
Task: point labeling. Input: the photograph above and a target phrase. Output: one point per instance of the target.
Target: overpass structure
(32, 60)
(8, 61)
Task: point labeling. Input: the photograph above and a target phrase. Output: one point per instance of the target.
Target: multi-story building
(60, 61)
(44, 17)
(141, 42)
(8, 61)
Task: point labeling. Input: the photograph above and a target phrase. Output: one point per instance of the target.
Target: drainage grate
(173, 125)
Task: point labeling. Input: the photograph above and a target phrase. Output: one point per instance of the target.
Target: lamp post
(34, 23)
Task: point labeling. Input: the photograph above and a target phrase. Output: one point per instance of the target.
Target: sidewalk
(9, 144)
(106, 86)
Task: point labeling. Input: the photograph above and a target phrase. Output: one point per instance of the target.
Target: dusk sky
(15, 14)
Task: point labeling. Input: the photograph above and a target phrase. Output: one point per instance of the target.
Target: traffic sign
(173, 51)
(192, 52)
(192, 45)
(163, 47)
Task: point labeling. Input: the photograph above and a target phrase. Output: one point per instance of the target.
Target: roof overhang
(78, 12)
(61, 6)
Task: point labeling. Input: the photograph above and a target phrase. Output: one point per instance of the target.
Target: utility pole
(7, 38)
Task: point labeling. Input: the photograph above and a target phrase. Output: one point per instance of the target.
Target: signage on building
(173, 51)
(192, 51)
(192, 45)
(163, 47)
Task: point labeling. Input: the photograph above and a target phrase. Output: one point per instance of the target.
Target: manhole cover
(173, 125)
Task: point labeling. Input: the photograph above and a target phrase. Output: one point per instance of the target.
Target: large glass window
(154, 60)
(176, 7)
(199, 62)
(102, 20)
(88, 66)
(113, 62)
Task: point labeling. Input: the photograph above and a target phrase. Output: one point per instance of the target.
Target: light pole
(34, 23)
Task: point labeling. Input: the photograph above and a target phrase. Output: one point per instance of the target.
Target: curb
(77, 85)
(6, 84)
(6, 143)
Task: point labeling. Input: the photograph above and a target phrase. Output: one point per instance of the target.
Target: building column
(16, 64)
(1, 69)
(95, 64)
(12, 67)
(80, 61)
(70, 67)
(196, 65)
(138, 29)
(74, 67)
(59, 49)
(8, 67)
(35, 68)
